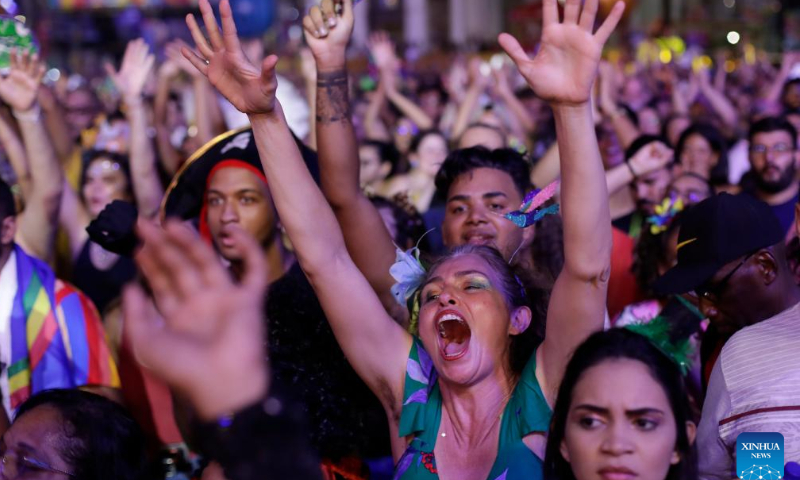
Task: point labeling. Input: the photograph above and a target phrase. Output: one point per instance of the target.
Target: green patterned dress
(526, 412)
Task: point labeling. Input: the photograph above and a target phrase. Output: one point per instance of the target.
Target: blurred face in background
(81, 107)
(651, 189)
(649, 122)
(697, 156)
(690, 189)
(105, 181)
(430, 154)
(404, 133)
(373, 169)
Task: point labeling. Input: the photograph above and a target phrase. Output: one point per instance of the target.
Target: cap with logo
(715, 232)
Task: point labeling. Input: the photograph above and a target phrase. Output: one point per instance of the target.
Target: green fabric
(526, 412)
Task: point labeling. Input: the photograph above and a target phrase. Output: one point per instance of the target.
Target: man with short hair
(50, 333)
(774, 160)
(731, 253)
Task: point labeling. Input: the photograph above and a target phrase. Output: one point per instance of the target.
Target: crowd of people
(556, 264)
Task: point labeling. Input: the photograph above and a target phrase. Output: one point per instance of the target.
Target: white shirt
(754, 387)
(8, 290)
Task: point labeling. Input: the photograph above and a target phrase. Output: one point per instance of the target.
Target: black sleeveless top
(101, 286)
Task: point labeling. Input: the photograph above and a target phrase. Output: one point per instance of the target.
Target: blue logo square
(759, 456)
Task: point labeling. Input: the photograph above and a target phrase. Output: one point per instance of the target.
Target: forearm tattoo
(333, 103)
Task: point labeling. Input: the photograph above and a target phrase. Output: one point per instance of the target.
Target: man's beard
(777, 186)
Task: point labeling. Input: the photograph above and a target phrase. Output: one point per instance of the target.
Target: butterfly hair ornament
(529, 212)
(665, 212)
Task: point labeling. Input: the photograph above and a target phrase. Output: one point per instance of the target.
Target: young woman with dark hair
(622, 412)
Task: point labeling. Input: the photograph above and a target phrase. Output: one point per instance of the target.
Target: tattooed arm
(366, 237)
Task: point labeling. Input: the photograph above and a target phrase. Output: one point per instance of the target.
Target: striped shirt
(754, 387)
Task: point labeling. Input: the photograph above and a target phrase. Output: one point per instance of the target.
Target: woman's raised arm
(375, 345)
(571, 51)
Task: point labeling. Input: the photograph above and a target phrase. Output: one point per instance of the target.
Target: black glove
(115, 228)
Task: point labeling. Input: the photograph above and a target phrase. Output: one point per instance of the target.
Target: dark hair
(786, 86)
(410, 224)
(719, 174)
(649, 252)
(100, 440)
(671, 118)
(772, 124)
(520, 288)
(466, 160)
(433, 85)
(630, 113)
(7, 206)
(619, 343)
(642, 141)
(387, 151)
(418, 138)
(124, 165)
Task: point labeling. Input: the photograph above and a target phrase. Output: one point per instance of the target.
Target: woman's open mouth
(453, 335)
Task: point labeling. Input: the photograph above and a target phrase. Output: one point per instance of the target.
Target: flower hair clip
(528, 214)
(664, 214)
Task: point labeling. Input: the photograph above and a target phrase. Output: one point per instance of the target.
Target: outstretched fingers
(513, 48)
(588, 15)
(608, 26)
(155, 345)
(197, 62)
(549, 12)
(210, 22)
(572, 9)
(229, 33)
(197, 35)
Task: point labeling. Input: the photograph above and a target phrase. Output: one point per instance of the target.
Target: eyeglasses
(778, 148)
(23, 464)
(712, 293)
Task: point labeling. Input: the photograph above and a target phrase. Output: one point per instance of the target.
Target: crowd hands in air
(338, 280)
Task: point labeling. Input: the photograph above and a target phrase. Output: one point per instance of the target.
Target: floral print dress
(526, 412)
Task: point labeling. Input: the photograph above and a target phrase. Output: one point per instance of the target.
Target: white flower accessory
(409, 274)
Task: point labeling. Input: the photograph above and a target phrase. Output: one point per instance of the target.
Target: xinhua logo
(759, 456)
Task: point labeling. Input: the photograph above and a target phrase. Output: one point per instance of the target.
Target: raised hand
(328, 28)
(137, 62)
(174, 54)
(382, 50)
(207, 341)
(20, 88)
(220, 58)
(651, 158)
(564, 69)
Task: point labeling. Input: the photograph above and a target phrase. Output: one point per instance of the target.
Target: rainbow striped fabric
(57, 339)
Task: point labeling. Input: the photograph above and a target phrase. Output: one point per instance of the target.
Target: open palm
(206, 337)
(250, 89)
(565, 68)
(137, 62)
(20, 88)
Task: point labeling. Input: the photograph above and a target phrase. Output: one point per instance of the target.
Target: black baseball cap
(715, 232)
